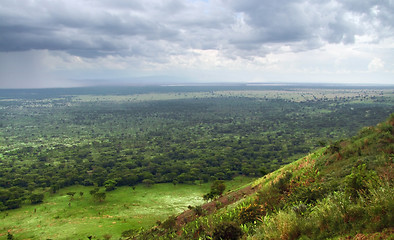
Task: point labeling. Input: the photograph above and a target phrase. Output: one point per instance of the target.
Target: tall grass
(333, 216)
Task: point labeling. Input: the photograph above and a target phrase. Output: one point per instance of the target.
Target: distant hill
(342, 191)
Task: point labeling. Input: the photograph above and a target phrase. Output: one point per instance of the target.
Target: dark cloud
(86, 29)
(292, 22)
(162, 28)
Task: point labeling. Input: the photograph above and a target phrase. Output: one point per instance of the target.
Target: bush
(36, 198)
(380, 208)
(13, 203)
(99, 197)
(227, 231)
(359, 181)
(250, 213)
(283, 183)
(217, 189)
(110, 185)
(198, 210)
(169, 223)
(270, 199)
(283, 225)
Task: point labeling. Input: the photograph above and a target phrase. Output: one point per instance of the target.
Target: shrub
(359, 181)
(36, 198)
(169, 223)
(110, 185)
(107, 236)
(380, 208)
(227, 231)
(94, 191)
(283, 183)
(328, 214)
(250, 212)
(71, 194)
(198, 210)
(217, 189)
(284, 225)
(100, 196)
(270, 199)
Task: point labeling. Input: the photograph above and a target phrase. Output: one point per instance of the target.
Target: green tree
(148, 182)
(99, 196)
(71, 194)
(110, 185)
(13, 203)
(94, 191)
(263, 171)
(36, 198)
(10, 236)
(218, 187)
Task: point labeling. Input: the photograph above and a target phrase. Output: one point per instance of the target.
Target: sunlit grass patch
(124, 208)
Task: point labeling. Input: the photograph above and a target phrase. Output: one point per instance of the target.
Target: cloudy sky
(61, 43)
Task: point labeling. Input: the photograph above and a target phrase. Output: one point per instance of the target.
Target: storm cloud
(163, 33)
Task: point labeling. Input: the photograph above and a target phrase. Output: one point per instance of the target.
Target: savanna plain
(111, 162)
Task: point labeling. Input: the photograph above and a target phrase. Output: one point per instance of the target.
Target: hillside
(342, 191)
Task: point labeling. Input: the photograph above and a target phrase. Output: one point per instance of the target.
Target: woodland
(107, 138)
(53, 139)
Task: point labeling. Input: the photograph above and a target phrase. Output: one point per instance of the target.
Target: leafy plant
(359, 181)
(250, 212)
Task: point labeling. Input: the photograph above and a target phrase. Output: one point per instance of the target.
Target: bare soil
(222, 201)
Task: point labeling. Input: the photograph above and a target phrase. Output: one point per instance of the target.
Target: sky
(68, 43)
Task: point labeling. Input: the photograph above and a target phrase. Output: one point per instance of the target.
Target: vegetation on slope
(344, 190)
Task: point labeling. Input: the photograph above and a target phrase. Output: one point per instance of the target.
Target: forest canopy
(51, 139)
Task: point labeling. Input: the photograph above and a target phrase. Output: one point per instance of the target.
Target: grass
(296, 95)
(61, 218)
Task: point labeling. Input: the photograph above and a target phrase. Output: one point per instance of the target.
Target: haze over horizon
(70, 43)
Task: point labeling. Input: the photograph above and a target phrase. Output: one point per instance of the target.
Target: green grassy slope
(59, 217)
(343, 191)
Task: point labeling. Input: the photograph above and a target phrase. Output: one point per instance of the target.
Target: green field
(124, 209)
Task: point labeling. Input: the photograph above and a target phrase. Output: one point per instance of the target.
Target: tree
(100, 196)
(175, 182)
(10, 236)
(208, 196)
(36, 198)
(71, 194)
(217, 189)
(263, 171)
(110, 185)
(13, 203)
(55, 188)
(94, 191)
(148, 182)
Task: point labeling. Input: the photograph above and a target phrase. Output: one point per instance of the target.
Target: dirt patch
(211, 207)
(385, 234)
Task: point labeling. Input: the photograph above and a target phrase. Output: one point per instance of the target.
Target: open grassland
(294, 95)
(124, 209)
